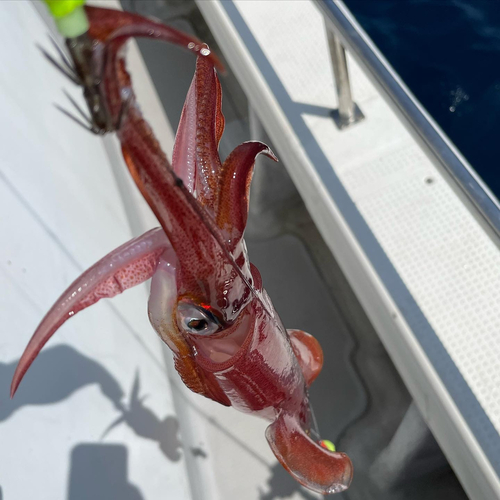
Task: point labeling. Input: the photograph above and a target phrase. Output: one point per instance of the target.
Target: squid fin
(308, 353)
(309, 463)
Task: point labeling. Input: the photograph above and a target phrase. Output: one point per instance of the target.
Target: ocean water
(448, 53)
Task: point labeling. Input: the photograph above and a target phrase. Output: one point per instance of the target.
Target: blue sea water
(448, 53)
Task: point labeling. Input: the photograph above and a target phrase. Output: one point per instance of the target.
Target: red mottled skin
(207, 301)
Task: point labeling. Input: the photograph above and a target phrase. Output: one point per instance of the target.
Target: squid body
(207, 302)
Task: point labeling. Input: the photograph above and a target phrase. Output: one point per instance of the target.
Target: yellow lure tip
(327, 444)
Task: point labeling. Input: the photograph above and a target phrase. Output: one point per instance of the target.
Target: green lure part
(70, 17)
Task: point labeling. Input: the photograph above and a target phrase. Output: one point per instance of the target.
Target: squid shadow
(282, 485)
(147, 425)
(61, 370)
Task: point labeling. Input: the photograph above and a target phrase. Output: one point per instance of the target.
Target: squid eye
(198, 325)
(194, 319)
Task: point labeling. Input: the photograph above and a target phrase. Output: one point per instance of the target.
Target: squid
(207, 302)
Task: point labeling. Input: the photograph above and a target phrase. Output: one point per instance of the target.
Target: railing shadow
(100, 471)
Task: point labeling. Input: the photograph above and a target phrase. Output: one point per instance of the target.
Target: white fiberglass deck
(426, 272)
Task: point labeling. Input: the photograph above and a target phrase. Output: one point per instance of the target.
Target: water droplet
(336, 488)
(191, 45)
(205, 52)
(452, 108)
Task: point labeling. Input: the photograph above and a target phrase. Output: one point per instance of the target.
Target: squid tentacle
(129, 265)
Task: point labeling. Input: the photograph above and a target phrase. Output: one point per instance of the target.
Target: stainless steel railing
(348, 112)
(341, 23)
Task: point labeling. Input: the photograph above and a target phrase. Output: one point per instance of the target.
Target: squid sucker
(207, 302)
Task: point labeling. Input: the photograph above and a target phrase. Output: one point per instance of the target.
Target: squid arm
(222, 189)
(105, 23)
(129, 265)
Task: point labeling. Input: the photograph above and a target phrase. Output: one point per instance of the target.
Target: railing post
(348, 112)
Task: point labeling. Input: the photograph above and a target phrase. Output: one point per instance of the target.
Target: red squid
(207, 302)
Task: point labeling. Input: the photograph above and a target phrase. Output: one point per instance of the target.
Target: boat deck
(417, 260)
